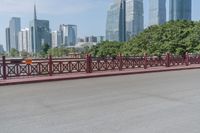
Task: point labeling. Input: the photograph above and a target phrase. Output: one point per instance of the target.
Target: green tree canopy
(176, 37)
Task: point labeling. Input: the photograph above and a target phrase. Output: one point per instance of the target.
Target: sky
(88, 15)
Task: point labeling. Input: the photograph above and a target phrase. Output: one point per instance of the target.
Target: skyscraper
(56, 39)
(8, 40)
(39, 33)
(116, 21)
(1, 48)
(125, 19)
(157, 12)
(180, 9)
(134, 17)
(15, 27)
(23, 40)
(69, 34)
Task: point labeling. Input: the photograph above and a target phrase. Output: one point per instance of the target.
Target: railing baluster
(50, 66)
(4, 67)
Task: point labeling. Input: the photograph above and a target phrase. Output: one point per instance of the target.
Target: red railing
(11, 68)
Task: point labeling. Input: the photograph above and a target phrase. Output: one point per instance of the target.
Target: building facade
(23, 40)
(1, 49)
(8, 47)
(69, 35)
(56, 39)
(116, 21)
(39, 33)
(134, 18)
(157, 12)
(180, 9)
(15, 27)
(125, 19)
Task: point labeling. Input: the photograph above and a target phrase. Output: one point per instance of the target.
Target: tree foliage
(176, 37)
(14, 52)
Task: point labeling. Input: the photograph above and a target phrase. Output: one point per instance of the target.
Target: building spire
(35, 13)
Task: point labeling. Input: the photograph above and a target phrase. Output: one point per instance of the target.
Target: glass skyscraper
(69, 34)
(39, 33)
(134, 18)
(157, 12)
(116, 22)
(180, 9)
(15, 27)
(124, 20)
(8, 39)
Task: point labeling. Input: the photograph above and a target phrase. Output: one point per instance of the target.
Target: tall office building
(23, 40)
(69, 34)
(134, 18)
(125, 19)
(157, 12)
(8, 40)
(180, 9)
(100, 39)
(116, 21)
(39, 33)
(56, 39)
(15, 27)
(1, 48)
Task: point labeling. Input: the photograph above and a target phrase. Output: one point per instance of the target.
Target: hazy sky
(88, 15)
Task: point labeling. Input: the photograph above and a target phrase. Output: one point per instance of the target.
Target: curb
(118, 73)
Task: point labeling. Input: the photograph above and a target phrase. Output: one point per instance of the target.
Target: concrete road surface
(149, 103)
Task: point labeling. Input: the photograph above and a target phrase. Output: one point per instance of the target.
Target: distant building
(39, 33)
(157, 12)
(1, 48)
(14, 27)
(116, 21)
(134, 18)
(81, 40)
(56, 39)
(23, 40)
(180, 9)
(91, 39)
(94, 39)
(69, 35)
(100, 39)
(125, 19)
(8, 47)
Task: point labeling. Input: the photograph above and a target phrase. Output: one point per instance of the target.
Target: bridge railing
(10, 68)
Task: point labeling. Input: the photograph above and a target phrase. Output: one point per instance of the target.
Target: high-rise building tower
(116, 21)
(8, 40)
(69, 34)
(56, 39)
(23, 40)
(157, 12)
(15, 27)
(180, 9)
(125, 19)
(134, 18)
(39, 33)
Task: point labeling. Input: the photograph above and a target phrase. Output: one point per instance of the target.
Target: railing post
(186, 59)
(4, 67)
(167, 60)
(50, 66)
(120, 62)
(145, 61)
(88, 63)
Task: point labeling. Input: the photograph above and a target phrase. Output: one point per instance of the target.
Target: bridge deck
(149, 103)
(69, 76)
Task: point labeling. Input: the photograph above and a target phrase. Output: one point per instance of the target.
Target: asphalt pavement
(167, 102)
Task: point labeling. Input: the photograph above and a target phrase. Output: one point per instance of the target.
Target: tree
(14, 52)
(24, 54)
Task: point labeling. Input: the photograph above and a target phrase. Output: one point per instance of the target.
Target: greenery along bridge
(176, 37)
